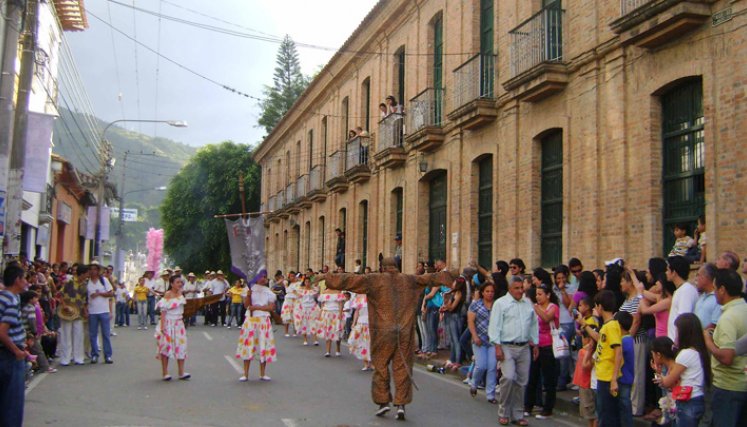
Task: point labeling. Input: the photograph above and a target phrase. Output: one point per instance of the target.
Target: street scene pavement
(307, 389)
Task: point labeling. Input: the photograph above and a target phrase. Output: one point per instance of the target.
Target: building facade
(535, 129)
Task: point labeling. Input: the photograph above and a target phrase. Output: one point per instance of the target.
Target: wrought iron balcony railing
(316, 178)
(426, 110)
(474, 79)
(537, 40)
(391, 131)
(357, 152)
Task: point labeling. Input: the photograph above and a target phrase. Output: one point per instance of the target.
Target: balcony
(652, 23)
(302, 190)
(336, 180)
(316, 191)
(356, 159)
(391, 152)
(537, 68)
(281, 204)
(474, 94)
(425, 119)
(290, 199)
(271, 209)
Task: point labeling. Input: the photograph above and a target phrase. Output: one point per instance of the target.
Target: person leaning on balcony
(394, 107)
(384, 110)
(352, 134)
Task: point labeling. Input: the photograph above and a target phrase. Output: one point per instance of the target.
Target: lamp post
(118, 261)
(106, 163)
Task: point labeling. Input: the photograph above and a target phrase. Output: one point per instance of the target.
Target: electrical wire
(158, 62)
(120, 96)
(137, 67)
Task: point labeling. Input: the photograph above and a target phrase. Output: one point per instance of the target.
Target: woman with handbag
(548, 318)
(688, 371)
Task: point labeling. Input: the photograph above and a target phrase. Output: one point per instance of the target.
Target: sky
(124, 80)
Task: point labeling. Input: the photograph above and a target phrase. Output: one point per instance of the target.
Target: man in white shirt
(219, 286)
(190, 290)
(99, 292)
(150, 283)
(160, 286)
(207, 289)
(686, 295)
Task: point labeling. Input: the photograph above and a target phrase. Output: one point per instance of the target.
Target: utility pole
(105, 156)
(118, 254)
(18, 150)
(13, 13)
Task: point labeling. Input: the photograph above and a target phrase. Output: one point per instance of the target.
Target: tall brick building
(539, 129)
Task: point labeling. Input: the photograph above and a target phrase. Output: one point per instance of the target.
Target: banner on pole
(246, 237)
(91, 223)
(38, 145)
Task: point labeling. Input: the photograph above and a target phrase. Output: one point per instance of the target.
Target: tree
(206, 186)
(288, 84)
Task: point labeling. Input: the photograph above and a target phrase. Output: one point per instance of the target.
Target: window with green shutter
(485, 212)
(437, 218)
(399, 205)
(364, 233)
(400, 55)
(684, 163)
(552, 199)
(487, 64)
(438, 49)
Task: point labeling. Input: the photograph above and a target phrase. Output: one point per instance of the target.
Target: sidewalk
(563, 404)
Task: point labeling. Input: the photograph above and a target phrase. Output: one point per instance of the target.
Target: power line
(158, 62)
(120, 96)
(178, 64)
(137, 68)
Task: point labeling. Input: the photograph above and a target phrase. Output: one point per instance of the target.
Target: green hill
(151, 162)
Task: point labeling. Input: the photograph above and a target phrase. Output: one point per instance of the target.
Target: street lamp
(105, 165)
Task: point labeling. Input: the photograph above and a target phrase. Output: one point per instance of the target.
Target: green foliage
(206, 186)
(288, 85)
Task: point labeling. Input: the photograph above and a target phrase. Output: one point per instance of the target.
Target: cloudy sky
(126, 80)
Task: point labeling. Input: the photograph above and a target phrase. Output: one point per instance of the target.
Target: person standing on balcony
(393, 106)
(340, 253)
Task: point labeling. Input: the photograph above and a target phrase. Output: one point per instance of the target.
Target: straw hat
(68, 312)
(165, 273)
(219, 273)
(191, 275)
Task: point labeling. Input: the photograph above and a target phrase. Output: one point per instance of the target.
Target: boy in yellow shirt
(141, 299)
(608, 359)
(237, 293)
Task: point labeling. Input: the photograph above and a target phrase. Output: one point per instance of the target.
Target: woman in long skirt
(286, 313)
(256, 340)
(330, 323)
(171, 336)
(359, 342)
(306, 311)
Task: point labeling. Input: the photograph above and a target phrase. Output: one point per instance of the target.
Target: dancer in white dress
(289, 304)
(256, 340)
(171, 336)
(330, 323)
(359, 342)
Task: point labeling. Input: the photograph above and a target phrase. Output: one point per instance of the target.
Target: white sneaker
(243, 379)
(229, 326)
(287, 335)
(337, 354)
(139, 328)
(316, 343)
(265, 378)
(112, 334)
(305, 343)
(326, 354)
(146, 328)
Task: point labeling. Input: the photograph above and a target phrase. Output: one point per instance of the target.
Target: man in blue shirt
(12, 348)
(707, 307)
(514, 331)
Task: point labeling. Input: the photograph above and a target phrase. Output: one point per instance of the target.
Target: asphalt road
(306, 390)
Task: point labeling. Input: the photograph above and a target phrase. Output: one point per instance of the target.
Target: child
(628, 369)
(688, 373)
(237, 298)
(682, 242)
(141, 297)
(29, 300)
(330, 324)
(608, 360)
(582, 378)
(360, 338)
(700, 238)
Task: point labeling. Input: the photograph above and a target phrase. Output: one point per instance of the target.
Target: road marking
(207, 335)
(235, 364)
(290, 422)
(35, 382)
